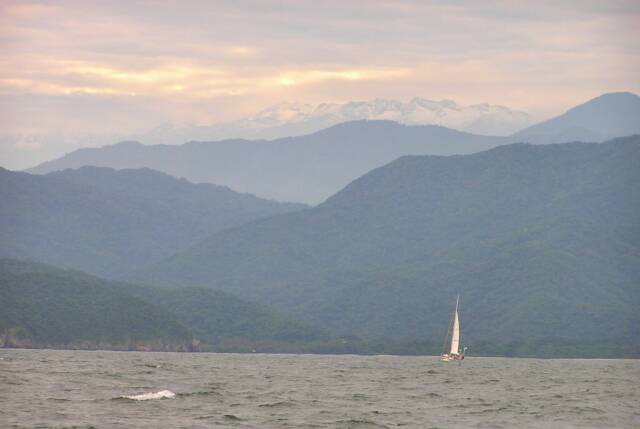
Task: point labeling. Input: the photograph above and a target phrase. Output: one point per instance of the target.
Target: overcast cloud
(76, 67)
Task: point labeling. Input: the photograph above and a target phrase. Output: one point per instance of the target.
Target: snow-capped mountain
(293, 119)
(287, 119)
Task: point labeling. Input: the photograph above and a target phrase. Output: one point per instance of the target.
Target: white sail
(455, 332)
(455, 335)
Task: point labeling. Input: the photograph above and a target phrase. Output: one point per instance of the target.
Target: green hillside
(42, 306)
(108, 222)
(542, 242)
(225, 323)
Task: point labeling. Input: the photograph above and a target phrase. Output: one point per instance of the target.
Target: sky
(76, 73)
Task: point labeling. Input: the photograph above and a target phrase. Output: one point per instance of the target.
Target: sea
(102, 389)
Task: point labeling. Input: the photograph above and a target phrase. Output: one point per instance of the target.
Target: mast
(455, 333)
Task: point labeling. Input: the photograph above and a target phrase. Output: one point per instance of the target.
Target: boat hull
(451, 357)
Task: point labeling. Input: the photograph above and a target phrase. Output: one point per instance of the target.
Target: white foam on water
(163, 394)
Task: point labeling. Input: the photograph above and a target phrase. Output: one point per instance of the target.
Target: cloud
(171, 77)
(210, 62)
(302, 77)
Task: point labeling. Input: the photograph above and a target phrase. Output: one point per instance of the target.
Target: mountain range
(306, 169)
(285, 119)
(107, 222)
(312, 167)
(294, 119)
(541, 241)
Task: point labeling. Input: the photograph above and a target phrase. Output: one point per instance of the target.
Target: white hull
(451, 358)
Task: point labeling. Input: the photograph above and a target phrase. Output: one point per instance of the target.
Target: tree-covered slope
(541, 241)
(221, 320)
(42, 306)
(108, 222)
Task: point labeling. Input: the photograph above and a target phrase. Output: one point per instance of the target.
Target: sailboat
(451, 350)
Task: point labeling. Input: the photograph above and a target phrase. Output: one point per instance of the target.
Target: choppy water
(43, 388)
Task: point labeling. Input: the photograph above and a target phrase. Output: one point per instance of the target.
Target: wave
(232, 417)
(278, 404)
(358, 423)
(163, 394)
(199, 393)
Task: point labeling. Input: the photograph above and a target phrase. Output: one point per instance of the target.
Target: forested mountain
(44, 306)
(308, 168)
(224, 322)
(605, 117)
(41, 306)
(542, 241)
(107, 222)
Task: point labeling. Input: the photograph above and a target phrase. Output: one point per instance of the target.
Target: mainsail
(455, 333)
(453, 353)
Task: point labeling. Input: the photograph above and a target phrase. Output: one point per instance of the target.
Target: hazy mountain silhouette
(311, 168)
(541, 241)
(288, 119)
(602, 118)
(308, 168)
(107, 222)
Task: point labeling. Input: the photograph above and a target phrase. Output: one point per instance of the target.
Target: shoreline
(222, 352)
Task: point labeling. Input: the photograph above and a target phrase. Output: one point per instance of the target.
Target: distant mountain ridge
(312, 167)
(307, 169)
(602, 118)
(285, 119)
(541, 242)
(294, 119)
(107, 222)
